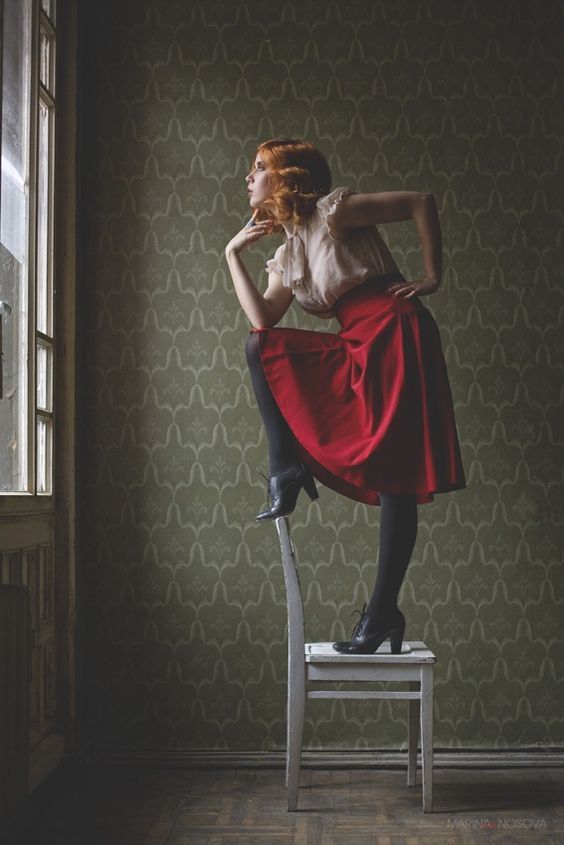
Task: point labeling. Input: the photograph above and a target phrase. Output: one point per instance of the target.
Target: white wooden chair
(319, 662)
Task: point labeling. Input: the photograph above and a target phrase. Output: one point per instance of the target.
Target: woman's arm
(362, 210)
(263, 311)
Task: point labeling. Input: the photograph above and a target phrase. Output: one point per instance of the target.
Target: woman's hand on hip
(247, 236)
(420, 287)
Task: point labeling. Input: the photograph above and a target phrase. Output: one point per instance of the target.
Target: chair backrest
(293, 596)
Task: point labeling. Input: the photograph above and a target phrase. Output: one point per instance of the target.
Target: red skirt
(370, 406)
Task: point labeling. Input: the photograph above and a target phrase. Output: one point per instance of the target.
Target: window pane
(44, 429)
(44, 377)
(43, 218)
(14, 259)
(44, 59)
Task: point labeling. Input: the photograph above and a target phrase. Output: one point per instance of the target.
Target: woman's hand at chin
(248, 235)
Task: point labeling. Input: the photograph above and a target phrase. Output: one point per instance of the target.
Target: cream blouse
(319, 268)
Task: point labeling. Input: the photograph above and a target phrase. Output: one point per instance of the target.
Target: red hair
(299, 176)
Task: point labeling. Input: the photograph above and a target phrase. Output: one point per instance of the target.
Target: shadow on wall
(182, 594)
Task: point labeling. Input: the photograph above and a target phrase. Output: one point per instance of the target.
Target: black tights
(281, 441)
(398, 530)
(398, 514)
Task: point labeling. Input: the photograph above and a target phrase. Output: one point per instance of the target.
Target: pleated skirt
(370, 406)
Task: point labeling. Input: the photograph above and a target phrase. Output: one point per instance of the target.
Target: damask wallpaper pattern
(182, 594)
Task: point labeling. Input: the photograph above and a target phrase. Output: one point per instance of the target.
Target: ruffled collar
(294, 257)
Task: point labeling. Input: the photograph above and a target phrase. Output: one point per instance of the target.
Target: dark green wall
(181, 593)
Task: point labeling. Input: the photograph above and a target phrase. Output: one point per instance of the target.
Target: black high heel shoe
(367, 640)
(283, 491)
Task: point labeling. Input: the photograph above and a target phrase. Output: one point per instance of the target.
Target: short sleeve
(328, 204)
(276, 264)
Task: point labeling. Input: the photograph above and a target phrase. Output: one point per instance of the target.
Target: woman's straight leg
(398, 531)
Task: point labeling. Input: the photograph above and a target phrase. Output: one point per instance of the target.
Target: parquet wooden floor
(120, 805)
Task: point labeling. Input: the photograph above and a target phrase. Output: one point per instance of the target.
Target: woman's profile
(366, 410)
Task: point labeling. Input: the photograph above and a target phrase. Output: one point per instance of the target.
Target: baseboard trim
(442, 758)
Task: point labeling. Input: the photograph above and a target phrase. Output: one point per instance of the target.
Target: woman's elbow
(270, 317)
(259, 325)
(422, 205)
(426, 198)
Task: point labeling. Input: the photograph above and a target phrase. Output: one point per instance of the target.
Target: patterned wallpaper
(183, 603)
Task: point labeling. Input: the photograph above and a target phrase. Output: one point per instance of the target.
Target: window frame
(33, 500)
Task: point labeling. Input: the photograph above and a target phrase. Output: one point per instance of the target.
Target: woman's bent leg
(281, 441)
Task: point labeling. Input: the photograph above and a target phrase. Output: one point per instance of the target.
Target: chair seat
(411, 652)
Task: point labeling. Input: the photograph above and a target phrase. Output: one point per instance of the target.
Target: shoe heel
(309, 485)
(396, 639)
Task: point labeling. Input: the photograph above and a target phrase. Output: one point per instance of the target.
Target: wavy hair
(299, 176)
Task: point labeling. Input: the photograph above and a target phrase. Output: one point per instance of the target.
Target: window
(26, 246)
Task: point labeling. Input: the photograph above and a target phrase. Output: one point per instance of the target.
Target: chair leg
(295, 717)
(287, 777)
(296, 664)
(412, 734)
(427, 736)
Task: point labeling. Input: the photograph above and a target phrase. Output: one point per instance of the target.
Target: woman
(368, 411)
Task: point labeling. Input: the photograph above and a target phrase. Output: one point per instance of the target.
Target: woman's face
(258, 184)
